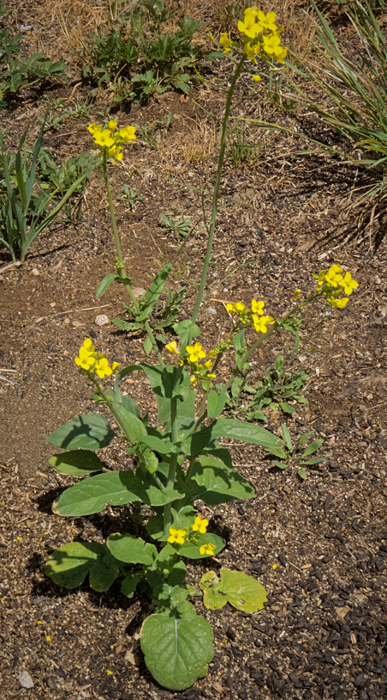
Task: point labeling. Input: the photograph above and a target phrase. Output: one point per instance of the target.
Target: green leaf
(313, 447)
(192, 551)
(215, 404)
(304, 437)
(215, 482)
(286, 407)
(240, 430)
(105, 283)
(157, 286)
(76, 462)
(89, 432)
(240, 590)
(129, 584)
(286, 437)
(163, 446)
(131, 550)
(70, 564)
(178, 646)
(133, 425)
(315, 460)
(302, 473)
(187, 330)
(148, 345)
(280, 465)
(156, 493)
(92, 495)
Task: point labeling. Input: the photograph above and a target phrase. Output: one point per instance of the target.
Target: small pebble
(76, 324)
(35, 272)
(101, 320)
(25, 680)
(138, 292)
(210, 310)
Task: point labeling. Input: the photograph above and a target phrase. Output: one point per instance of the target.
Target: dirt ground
(319, 546)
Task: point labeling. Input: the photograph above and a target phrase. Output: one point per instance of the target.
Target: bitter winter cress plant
(178, 461)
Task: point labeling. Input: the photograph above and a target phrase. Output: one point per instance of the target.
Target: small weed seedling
(276, 389)
(297, 455)
(173, 223)
(131, 197)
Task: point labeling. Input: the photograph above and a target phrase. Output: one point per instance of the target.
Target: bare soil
(318, 546)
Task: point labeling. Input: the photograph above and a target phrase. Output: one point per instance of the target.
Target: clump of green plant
(179, 460)
(296, 455)
(131, 197)
(141, 57)
(150, 133)
(172, 222)
(354, 99)
(55, 180)
(241, 149)
(23, 205)
(161, 315)
(16, 72)
(275, 390)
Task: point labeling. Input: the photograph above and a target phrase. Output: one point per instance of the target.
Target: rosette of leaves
(161, 315)
(276, 390)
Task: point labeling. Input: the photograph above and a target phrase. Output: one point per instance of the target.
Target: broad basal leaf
(77, 462)
(93, 495)
(89, 432)
(70, 564)
(247, 432)
(178, 646)
(192, 551)
(243, 592)
(131, 550)
(215, 482)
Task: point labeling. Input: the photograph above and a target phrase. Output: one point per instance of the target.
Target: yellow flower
(109, 141)
(195, 352)
(172, 347)
(339, 303)
(176, 536)
(200, 525)
(208, 364)
(333, 275)
(347, 283)
(272, 46)
(267, 21)
(225, 41)
(257, 307)
(207, 549)
(102, 368)
(85, 359)
(260, 323)
(296, 294)
(113, 124)
(115, 365)
(257, 78)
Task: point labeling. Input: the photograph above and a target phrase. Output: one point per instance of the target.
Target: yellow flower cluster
(262, 38)
(199, 372)
(333, 284)
(255, 316)
(199, 527)
(109, 140)
(95, 363)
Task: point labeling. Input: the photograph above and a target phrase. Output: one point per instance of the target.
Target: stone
(101, 320)
(25, 680)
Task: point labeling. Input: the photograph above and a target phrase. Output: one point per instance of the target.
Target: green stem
(264, 337)
(216, 190)
(172, 466)
(121, 263)
(111, 408)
